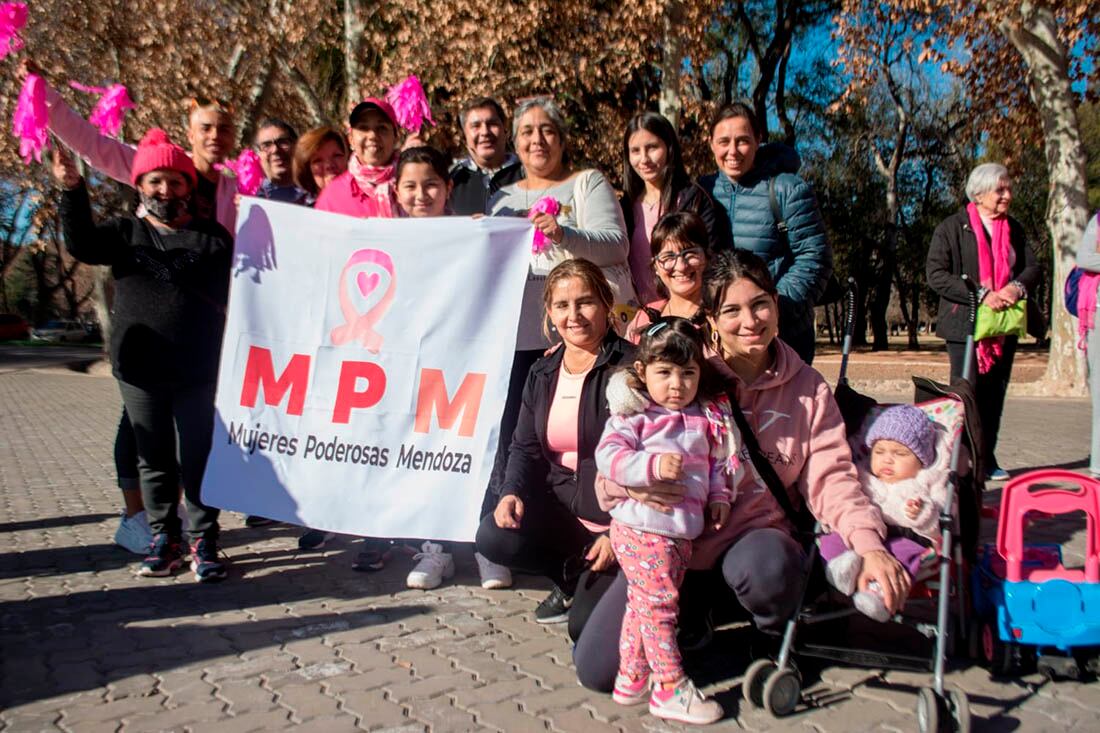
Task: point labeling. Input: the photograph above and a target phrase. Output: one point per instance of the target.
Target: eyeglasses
(691, 256)
(283, 143)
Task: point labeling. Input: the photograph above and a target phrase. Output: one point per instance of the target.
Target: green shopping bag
(1011, 321)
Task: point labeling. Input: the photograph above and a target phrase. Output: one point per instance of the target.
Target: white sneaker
(434, 566)
(493, 576)
(133, 534)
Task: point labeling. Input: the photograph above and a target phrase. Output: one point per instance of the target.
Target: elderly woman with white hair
(990, 247)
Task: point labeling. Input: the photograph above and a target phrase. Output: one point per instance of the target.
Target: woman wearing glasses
(656, 183)
(679, 252)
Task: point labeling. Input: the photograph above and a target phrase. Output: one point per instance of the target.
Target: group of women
(667, 243)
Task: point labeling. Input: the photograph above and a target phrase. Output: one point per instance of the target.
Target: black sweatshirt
(170, 294)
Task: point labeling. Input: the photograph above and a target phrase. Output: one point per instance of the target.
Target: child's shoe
(630, 691)
(842, 572)
(133, 533)
(205, 563)
(685, 704)
(165, 555)
(434, 566)
(870, 603)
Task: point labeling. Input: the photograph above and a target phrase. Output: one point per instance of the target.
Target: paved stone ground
(300, 640)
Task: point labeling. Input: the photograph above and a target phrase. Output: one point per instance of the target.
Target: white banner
(364, 369)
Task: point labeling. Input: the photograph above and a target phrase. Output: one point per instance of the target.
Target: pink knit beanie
(156, 151)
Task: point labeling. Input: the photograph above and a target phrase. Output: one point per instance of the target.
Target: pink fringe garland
(110, 109)
(13, 16)
(410, 104)
(249, 172)
(30, 121)
(545, 205)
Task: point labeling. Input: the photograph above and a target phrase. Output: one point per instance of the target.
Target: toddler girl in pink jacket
(908, 485)
(669, 437)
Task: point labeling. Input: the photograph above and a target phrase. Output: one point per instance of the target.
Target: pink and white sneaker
(629, 691)
(684, 704)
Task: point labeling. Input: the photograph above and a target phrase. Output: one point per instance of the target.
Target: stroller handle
(849, 328)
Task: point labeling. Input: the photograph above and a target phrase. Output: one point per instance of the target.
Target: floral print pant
(654, 567)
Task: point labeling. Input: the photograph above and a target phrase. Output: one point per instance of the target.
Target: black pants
(550, 542)
(990, 390)
(173, 428)
(521, 364)
(763, 568)
(126, 457)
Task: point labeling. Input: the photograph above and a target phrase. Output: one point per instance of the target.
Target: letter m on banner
(433, 397)
(259, 373)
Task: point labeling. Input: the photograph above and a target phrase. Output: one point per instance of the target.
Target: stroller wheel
(756, 676)
(782, 692)
(960, 710)
(931, 711)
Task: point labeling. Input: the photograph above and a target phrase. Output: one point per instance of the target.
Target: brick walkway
(300, 640)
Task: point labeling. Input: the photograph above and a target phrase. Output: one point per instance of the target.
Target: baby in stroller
(907, 481)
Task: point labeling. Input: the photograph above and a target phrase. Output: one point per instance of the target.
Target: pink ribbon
(410, 104)
(545, 205)
(110, 109)
(30, 121)
(361, 325)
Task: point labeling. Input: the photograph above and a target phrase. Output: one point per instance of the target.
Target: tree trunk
(353, 32)
(1033, 32)
(258, 95)
(305, 92)
(668, 102)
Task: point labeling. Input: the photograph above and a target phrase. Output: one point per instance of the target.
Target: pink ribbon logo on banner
(360, 300)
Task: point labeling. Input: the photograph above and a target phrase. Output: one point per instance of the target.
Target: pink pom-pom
(410, 104)
(545, 205)
(30, 121)
(13, 16)
(249, 172)
(110, 109)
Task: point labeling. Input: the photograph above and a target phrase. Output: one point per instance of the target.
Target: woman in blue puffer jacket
(749, 177)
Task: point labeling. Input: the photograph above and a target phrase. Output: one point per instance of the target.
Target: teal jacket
(801, 268)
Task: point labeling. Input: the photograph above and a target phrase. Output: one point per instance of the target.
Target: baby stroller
(938, 606)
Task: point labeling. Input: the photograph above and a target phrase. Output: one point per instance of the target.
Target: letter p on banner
(433, 395)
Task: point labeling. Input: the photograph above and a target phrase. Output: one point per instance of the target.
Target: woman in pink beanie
(171, 273)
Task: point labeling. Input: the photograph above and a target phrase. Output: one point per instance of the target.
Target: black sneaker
(252, 520)
(314, 539)
(165, 555)
(695, 633)
(205, 563)
(554, 609)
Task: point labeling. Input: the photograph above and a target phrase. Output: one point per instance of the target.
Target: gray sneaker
(684, 704)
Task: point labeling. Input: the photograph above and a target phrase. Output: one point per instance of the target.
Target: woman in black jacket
(983, 230)
(171, 273)
(656, 183)
(548, 520)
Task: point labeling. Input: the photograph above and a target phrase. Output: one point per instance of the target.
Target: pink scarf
(994, 271)
(375, 182)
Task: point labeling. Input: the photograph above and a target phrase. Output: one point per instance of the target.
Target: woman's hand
(600, 557)
(1009, 294)
(64, 168)
(660, 497)
(549, 226)
(881, 567)
(509, 512)
(994, 301)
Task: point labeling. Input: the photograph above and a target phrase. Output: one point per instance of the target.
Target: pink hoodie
(114, 158)
(800, 430)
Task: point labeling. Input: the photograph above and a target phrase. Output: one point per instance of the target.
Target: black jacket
(171, 290)
(473, 189)
(532, 466)
(954, 253)
(694, 199)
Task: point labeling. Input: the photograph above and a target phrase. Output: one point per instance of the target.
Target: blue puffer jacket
(801, 270)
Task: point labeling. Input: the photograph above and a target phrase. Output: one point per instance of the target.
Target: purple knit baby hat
(909, 426)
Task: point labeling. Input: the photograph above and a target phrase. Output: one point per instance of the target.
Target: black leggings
(158, 415)
(126, 456)
(522, 362)
(550, 542)
(764, 568)
(990, 389)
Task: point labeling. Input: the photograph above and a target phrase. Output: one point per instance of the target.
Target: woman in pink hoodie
(798, 426)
